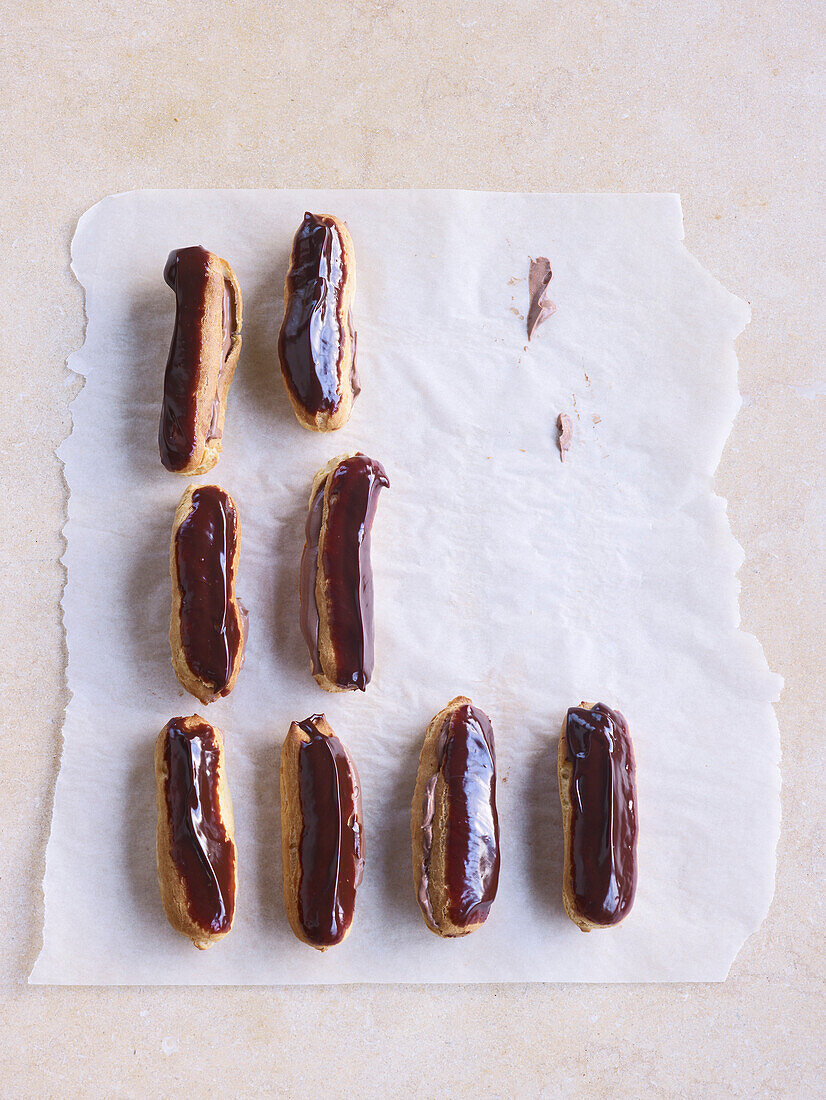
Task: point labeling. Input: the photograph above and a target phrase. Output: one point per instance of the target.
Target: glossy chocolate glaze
(311, 341)
(467, 764)
(187, 273)
(212, 632)
(203, 854)
(603, 825)
(344, 560)
(331, 849)
(307, 579)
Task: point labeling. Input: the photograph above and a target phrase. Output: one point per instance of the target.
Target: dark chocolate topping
(307, 578)
(467, 763)
(211, 627)
(309, 724)
(200, 848)
(603, 795)
(187, 273)
(311, 341)
(352, 499)
(332, 860)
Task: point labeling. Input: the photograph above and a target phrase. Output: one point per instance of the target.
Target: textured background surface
(723, 103)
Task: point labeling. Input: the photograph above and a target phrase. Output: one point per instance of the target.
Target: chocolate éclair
(453, 821)
(208, 625)
(322, 833)
(598, 792)
(336, 575)
(206, 343)
(317, 341)
(196, 854)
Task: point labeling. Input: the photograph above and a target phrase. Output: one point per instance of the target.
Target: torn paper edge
(736, 407)
(60, 454)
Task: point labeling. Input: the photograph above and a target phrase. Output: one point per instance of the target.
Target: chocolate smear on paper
(565, 427)
(541, 307)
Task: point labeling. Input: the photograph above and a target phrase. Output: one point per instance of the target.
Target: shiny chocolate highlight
(351, 499)
(331, 845)
(467, 767)
(201, 851)
(603, 828)
(212, 630)
(311, 340)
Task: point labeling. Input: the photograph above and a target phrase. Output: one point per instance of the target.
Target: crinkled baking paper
(500, 572)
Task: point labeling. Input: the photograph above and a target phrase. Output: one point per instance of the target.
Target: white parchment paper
(500, 573)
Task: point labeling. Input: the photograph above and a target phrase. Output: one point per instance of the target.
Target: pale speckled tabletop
(722, 103)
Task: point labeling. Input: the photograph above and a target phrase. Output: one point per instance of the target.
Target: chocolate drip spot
(309, 725)
(602, 790)
(201, 851)
(565, 427)
(540, 307)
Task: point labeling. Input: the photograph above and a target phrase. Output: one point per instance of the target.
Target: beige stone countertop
(723, 103)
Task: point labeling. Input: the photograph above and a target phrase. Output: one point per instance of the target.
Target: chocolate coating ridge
(467, 765)
(212, 630)
(345, 574)
(331, 847)
(307, 579)
(602, 788)
(311, 340)
(203, 854)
